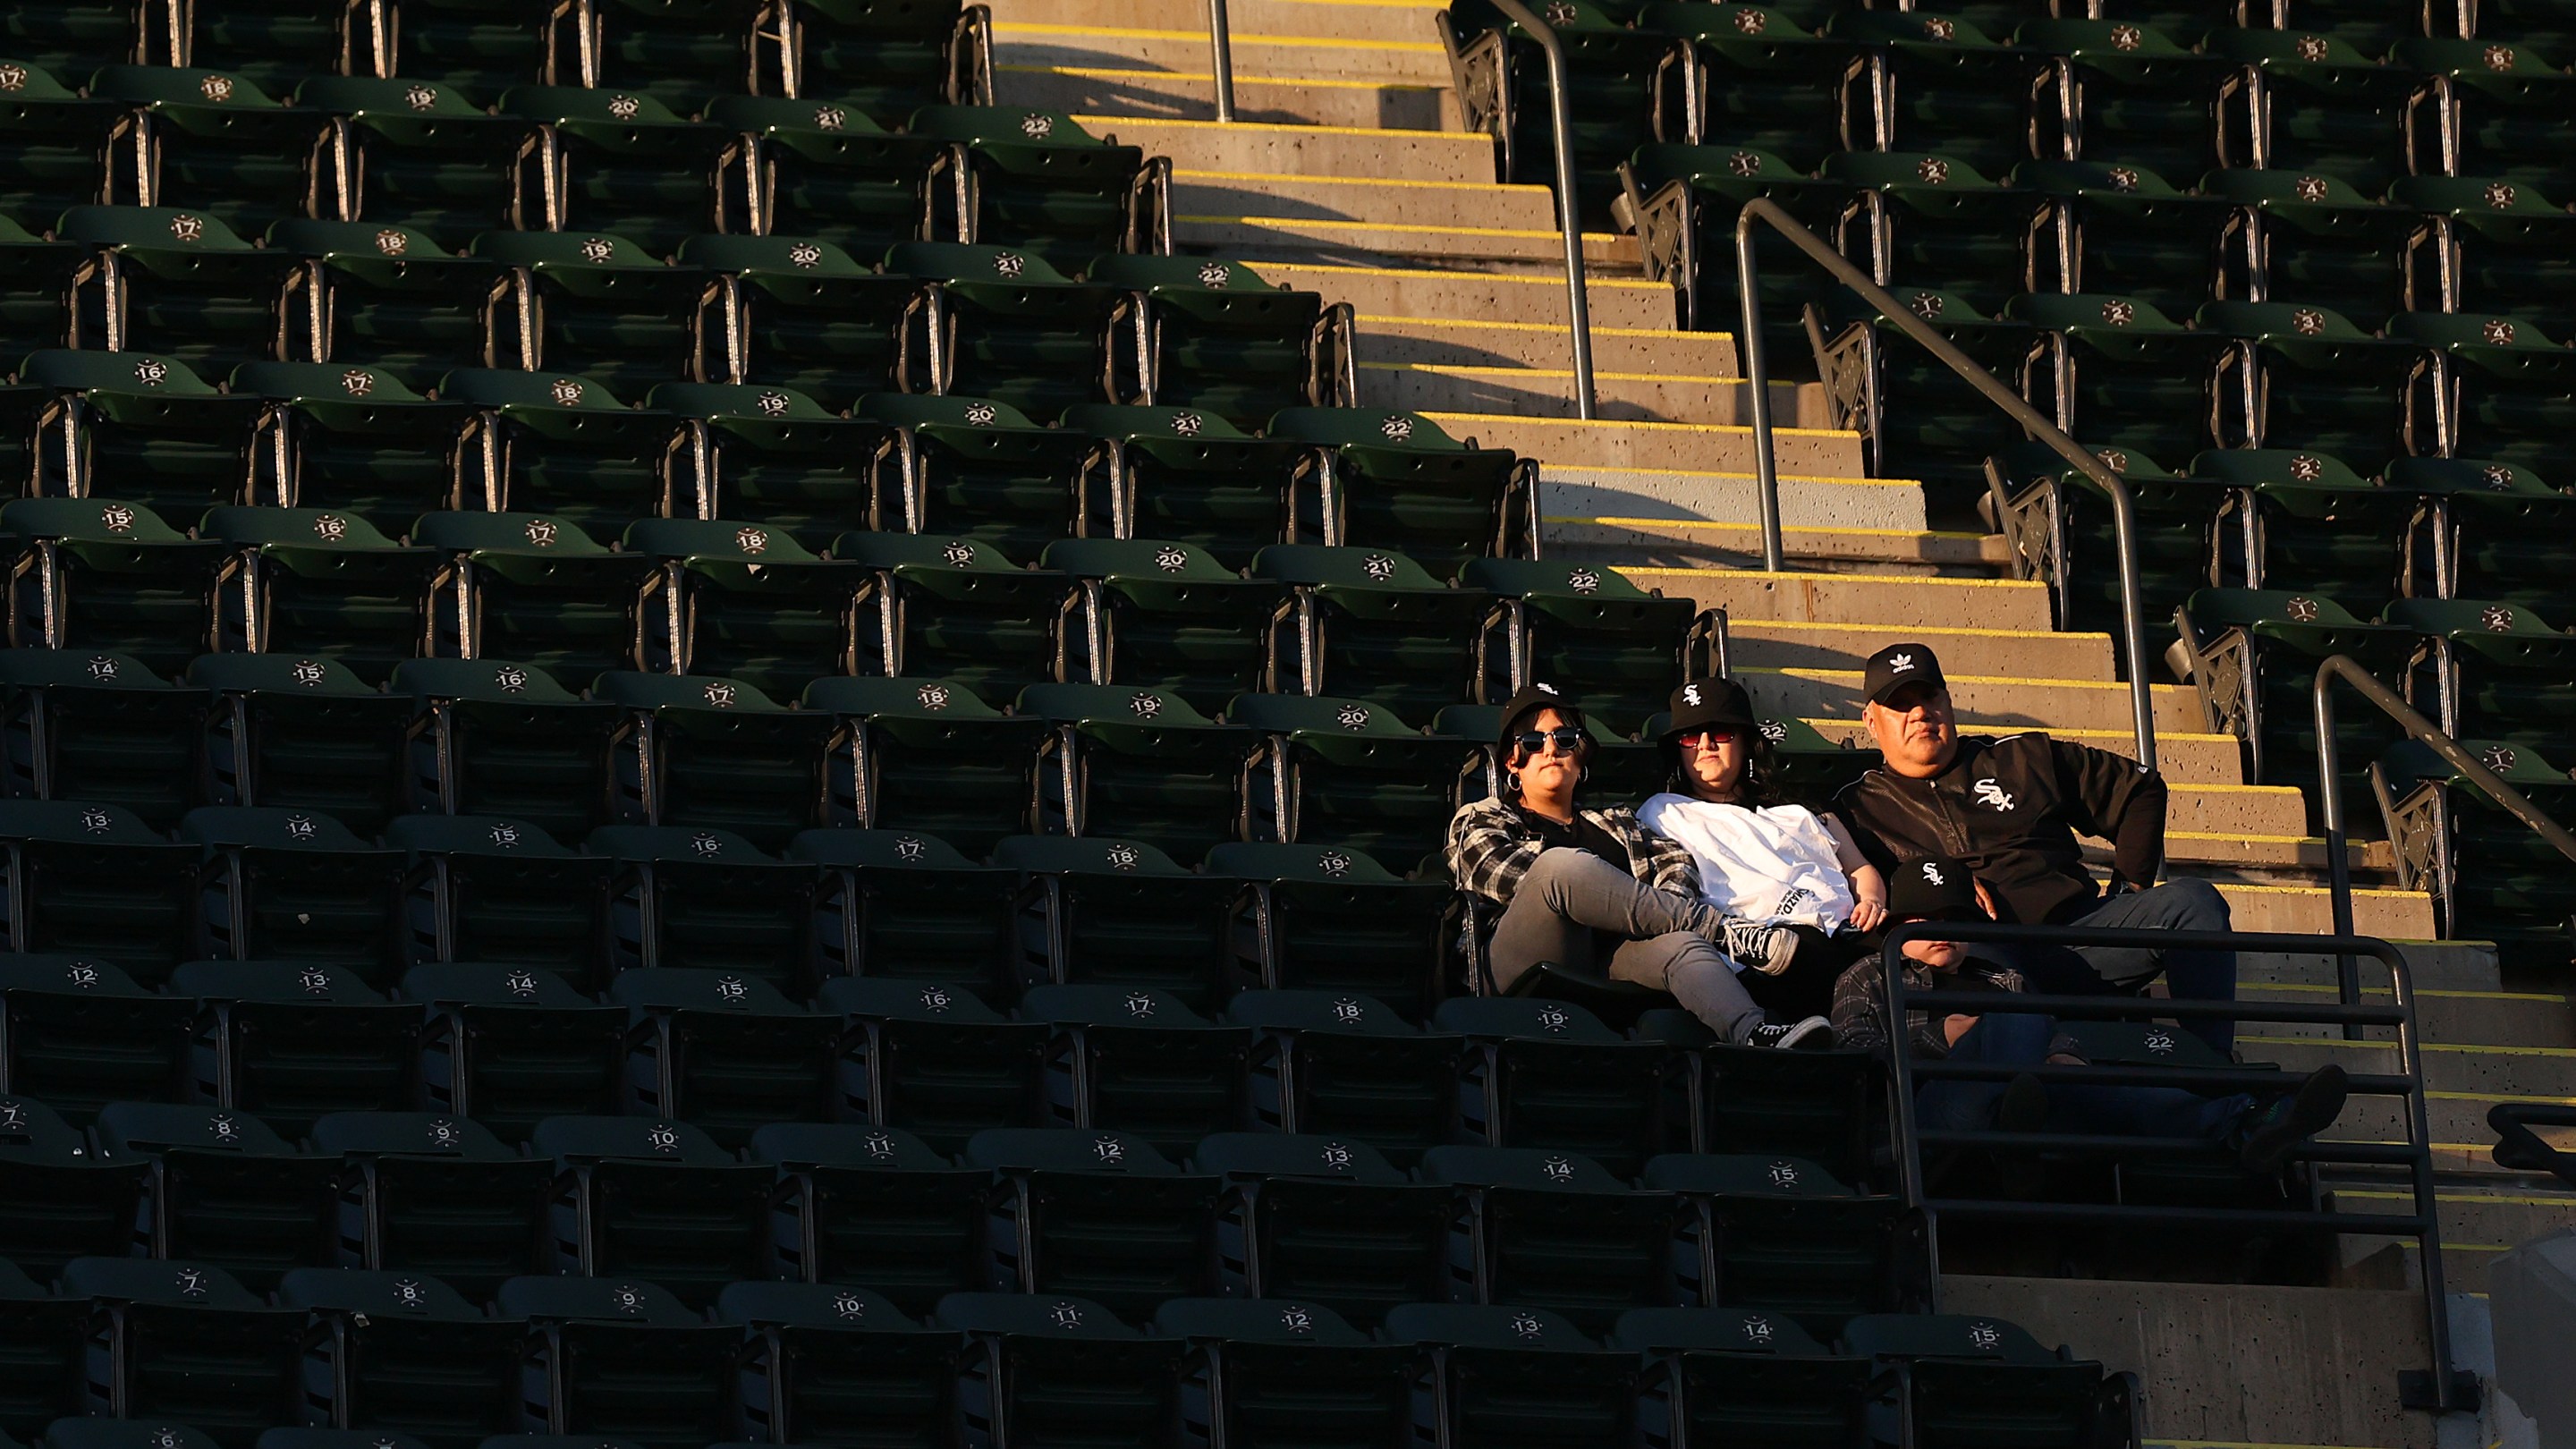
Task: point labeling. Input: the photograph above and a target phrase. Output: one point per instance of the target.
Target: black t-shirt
(1582, 835)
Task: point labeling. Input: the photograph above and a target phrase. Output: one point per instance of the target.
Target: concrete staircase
(1348, 176)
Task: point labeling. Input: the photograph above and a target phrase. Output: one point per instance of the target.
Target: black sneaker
(1814, 1034)
(2023, 1108)
(2270, 1131)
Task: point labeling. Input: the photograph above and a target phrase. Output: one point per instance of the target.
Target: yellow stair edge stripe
(1003, 28)
(1808, 672)
(1241, 82)
(1475, 140)
(1800, 576)
(1556, 328)
(2470, 1049)
(2240, 1444)
(1881, 628)
(1409, 228)
(1643, 425)
(2241, 835)
(2510, 1199)
(2320, 989)
(2431, 1096)
(1335, 179)
(1479, 369)
(1591, 283)
(2228, 886)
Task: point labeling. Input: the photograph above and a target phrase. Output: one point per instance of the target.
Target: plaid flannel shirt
(1860, 995)
(1491, 847)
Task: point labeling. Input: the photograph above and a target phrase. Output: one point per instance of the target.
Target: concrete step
(2189, 852)
(2389, 914)
(2030, 653)
(2454, 967)
(1738, 543)
(1572, 443)
(2478, 1225)
(1894, 602)
(2208, 763)
(2457, 1070)
(1255, 233)
(1995, 703)
(2474, 1018)
(1372, 20)
(1417, 60)
(1475, 206)
(1121, 89)
(1549, 392)
(1294, 150)
(1428, 292)
(1541, 343)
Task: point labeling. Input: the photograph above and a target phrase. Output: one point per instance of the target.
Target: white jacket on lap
(1776, 864)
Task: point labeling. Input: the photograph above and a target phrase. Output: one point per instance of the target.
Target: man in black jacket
(2010, 808)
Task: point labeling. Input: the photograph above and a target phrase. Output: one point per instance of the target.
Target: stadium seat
(1054, 1368)
(33, 314)
(1397, 481)
(1614, 75)
(57, 151)
(1223, 341)
(485, 46)
(413, 311)
(2063, 531)
(679, 50)
(1139, 764)
(1768, 84)
(439, 1195)
(1321, 1220)
(313, 581)
(1520, 1376)
(44, 1352)
(295, 886)
(496, 891)
(291, 1043)
(2451, 839)
(649, 1198)
(2122, 230)
(2501, 378)
(622, 1358)
(91, 880)
(1781, 1234)
(179, 284)
(1348, 1066)
(2314, 103)
(2498, 672)
(1938, 83)
(1328, 919)
(296, 732)
(874, 1207)
(953, 607)
(932, 1059)
(59, 1200)
(1279, 1368)
(2491, 523)
(1018, 332)
(79, 1034)
(509, 1045)
(1037, 179)
(2306, 521)
(708, 900)
(912, 907)
(97, 728)
(745, 601)
(802, 314)
(930, 755)
(494, 734)
(725, 1053)
(421, 155)
(1139, 1063)
(535, 589)
(107, 577)
(226, 1191)
(1583, 621)
(147, 422)
(104, 1433)
(772, 457)
(1097, 1214)
(1545, 1074)
(1375, 627)
(1933, 221)
(562, 444)
(712, 753)
(1107, 911)
(824, 1364)
(1919, 417)
(1350, 773)
(185, 1338)
(1165, 616)
(1553, 1230)
(2504, 243)
(832, 175)
(2132, 94)
(2125, 376)
(217, 144)
(405, 1353)
(2312, 238)
(2254, 654)
(982, 473)
(1963, 1380)
(1187, 476)
(1719, 1376)
(2508, 106)
(1825, 1107)
(890, 60)
(621, 164)
(2319, 383)
(1684, 201)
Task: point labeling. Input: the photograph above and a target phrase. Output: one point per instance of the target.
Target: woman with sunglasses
(1592, 890)
(1795, 872)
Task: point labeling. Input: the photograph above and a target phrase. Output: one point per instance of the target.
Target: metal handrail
(1221, 58)
(1757, 374)
(2439, 1391)
(1560, 126)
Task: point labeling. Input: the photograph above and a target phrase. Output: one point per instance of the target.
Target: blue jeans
(2177, 905)
(2021, 1039)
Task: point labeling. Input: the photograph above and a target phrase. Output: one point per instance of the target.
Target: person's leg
(1533, 928)
(2144, 1112)
(1697, 974)
(2177, 905)
(2001, 1038)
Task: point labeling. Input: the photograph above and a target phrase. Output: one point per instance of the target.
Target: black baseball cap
(1935, 888)
(1701, 703)
(1897, 666)
(1528, 700)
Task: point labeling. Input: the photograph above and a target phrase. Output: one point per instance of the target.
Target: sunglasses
(1533, 742)
(1721, 735)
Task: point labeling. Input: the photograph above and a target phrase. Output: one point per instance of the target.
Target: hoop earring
(1511, 782)
(1582, 773)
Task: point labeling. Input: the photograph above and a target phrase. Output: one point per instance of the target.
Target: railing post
(1757, 381)
(1221, 59)
(1560, 124)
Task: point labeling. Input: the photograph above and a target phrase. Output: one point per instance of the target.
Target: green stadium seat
(2320, 383)
(888, 59)
(1057, 1369)
(1165, 616)
(824, 1364)
(2503, 244)
(2122, 230)
(709, 900)
(2313, 238)
(623, 1358)
(102, 1433)
(1015, 330)
(2491, 523)
(1546, 1074)
(419, 155)
(1521, 1376)
(411, 311)
(1553, 1230)
(2324, 107)
(874, 1207)
(1964, 1380)
(1376, 627)
(1187, 476)
(1225, 341)
(1939, 83)
(44, 1351)
(106, 576)
(1769, 84)
(717, 754)
(217, 144)
(1934, 221)
(2314, 524)
(932, 1059)
(803, 315)
(296, 886)
(596, 310)
(982, 471)
(1781, 1234)
(2133, 95)
(2363, 26)
(725, 1053)
(929, 755)
(1332, 919)
(434, 1193)
(910, 906)
(1037, 179)
(32, 313)
(401, 1353)
(1721, 1376)
(680, 50)
(183, 1337)
(565, 446)
(91, 880)
(1289, 1369)
(2502, 377)
(147, 423)
(954, 607)
(536, 590)
(1398, 482)
(278, 42)
(831, 174)
(2063, 530)
(180, 284)
(485, 46)
(648, 1198)
(504, 736)
(1140, 1063)
(1137, 763)
(1117, 912)
(1683, 201)
(59, 1200)
(98, 728)
(357, 438)
(1615, 79)
(1326, 1222)
(57, 152)
(2478, 861)
(623, 164)
(773, 457)
(2254, 656)
(2544, 23)
(300, 733)
(511, 1045)
(1918, 416)
(745, 601)
(1584, 621)
(1097, 1214)
(292, 1043)
(1349, 773)
(1824, 1107)
(2499, 672)
(2126, 376)
(1347, 1066)
(227, 1191)
(2509, 109)
(79, 1034)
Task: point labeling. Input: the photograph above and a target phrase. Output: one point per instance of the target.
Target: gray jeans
(1566, 895)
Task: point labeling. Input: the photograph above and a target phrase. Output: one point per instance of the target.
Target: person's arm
(2118, 802)
(1668, 864)
(1856, 1019)
(1486, 856)
(1868, 885)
